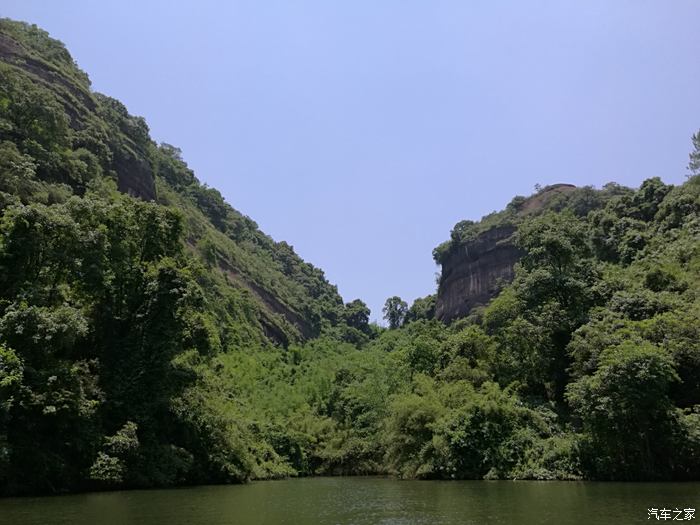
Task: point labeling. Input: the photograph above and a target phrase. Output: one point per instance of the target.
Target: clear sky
(361, 131)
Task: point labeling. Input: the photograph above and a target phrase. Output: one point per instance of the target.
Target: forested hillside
(151, 335)
(120, 275)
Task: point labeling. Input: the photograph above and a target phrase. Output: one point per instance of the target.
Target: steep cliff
(73, 140)
(137, 306)
(42, 68)
(471, 275)
(481, 257)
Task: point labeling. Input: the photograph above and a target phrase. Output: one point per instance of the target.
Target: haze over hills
(151, 335)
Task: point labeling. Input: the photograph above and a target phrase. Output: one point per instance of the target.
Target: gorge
(153, 336)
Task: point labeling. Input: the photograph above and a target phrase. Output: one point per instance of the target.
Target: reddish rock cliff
(474, 272)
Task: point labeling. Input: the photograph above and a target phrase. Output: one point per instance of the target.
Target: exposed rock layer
(472, 274)
(134, 175)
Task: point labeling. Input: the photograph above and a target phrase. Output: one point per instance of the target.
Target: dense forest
(151, 335)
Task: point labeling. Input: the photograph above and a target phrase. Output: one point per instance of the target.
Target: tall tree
(395, 310)
(357, 315)
(694, 164)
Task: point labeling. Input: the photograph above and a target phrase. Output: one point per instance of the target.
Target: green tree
(694, 164)
(394, 311)
(626, 413)
(356, 315)
(422, 308)
(555, 287)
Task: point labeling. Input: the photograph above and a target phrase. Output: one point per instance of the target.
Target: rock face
(134, 174)
(472, 275)
(71, 87)
(475, 272)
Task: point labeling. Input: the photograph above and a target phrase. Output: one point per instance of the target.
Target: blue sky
(361, 131)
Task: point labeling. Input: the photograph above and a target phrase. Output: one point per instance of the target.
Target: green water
(361, 501)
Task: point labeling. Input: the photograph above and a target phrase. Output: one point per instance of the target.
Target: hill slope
(115, 262)
(76, 138)
(150, 335)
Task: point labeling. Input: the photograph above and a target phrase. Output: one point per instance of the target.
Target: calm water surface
(361, 501)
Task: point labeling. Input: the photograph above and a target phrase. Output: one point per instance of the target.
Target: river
(363, 500)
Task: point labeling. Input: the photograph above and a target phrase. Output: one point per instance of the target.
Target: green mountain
(151, 335)
(110, 247)
(71, 140)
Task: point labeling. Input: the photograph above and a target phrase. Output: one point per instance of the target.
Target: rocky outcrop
(134, 174)
(71, 88)
(473, 274)
(475, 271)
(12, 52)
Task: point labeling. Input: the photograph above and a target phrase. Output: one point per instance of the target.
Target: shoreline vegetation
(153, 336)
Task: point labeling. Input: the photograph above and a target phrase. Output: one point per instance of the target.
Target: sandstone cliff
(474, 271)
(259, 288)
(126, 136)
(471, 275)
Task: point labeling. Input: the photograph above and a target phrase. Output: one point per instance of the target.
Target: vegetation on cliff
(150, 335)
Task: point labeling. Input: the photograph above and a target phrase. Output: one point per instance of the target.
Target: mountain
(479, 259)
(116, 262)
(151, 335)
(78, 138)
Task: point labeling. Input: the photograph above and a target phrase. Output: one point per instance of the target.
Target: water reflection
(360, 501)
